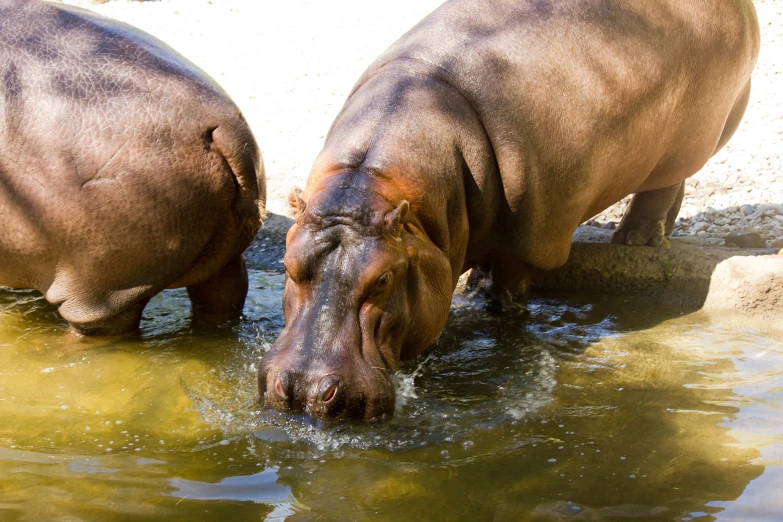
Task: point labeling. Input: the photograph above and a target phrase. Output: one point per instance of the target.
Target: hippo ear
(296, 203)
(396, 218)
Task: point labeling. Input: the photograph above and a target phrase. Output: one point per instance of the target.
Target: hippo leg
(650, 217)
(505, 284)
(223, 294)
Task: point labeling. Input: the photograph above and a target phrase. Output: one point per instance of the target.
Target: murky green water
(589, 410)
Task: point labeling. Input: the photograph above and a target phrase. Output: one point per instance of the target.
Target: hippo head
(364, 289)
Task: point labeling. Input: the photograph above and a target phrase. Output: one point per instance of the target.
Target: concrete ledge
(688, 275)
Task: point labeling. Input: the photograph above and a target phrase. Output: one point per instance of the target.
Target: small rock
(778, 243)
(701, 225)
(746, 240)
(610, 225)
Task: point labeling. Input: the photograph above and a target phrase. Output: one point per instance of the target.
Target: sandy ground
(289, 66)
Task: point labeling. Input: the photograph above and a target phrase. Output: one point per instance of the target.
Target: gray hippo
(124, 170)
(482, 139)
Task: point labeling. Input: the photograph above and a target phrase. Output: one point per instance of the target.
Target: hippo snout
(317, 398)
(326, 395)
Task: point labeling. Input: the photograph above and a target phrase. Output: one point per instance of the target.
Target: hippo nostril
(329, 393)
(327, 390)
(282, 385)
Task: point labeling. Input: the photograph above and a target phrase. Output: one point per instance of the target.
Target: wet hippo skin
(124, 170)
(481, 139)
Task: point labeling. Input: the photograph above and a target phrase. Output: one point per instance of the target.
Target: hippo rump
(482, 139)
(124, 170)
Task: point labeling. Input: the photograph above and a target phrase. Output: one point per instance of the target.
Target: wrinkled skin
(124, 170)
(358, 298)
(485, 136)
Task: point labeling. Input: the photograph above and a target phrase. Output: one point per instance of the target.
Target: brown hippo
(483, 138)
(124, 170)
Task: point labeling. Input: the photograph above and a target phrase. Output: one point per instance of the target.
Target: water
(592, 409)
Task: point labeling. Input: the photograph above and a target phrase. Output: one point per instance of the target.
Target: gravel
(290, 65)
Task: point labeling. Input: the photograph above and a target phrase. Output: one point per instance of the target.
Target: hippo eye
(383, 281)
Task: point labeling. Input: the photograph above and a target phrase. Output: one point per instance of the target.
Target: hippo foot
(507, 304)
(500, 298)
(643, 233)
(207, 323)
(123, 324)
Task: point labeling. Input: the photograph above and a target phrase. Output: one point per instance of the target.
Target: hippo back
(581, 102)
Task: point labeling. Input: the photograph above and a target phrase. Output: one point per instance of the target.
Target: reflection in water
(591, 409)
(260, 488)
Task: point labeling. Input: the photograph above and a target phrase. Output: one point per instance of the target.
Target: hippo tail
(238, 147)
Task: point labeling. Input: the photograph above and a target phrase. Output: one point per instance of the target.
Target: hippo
(480, 140)
(124, 170)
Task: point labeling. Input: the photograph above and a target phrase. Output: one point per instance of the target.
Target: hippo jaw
(356, 302)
